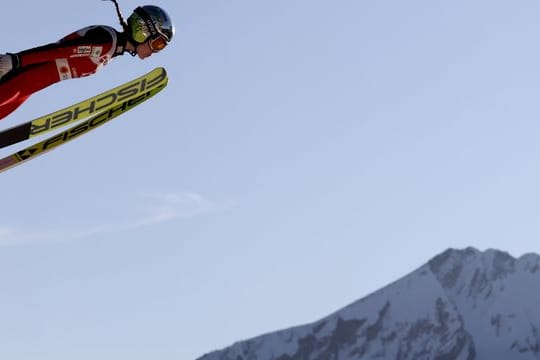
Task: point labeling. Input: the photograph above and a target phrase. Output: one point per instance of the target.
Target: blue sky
(304, 154)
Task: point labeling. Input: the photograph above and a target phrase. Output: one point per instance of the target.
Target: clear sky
(304, 154)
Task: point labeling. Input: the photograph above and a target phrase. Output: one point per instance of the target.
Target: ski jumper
(79, 54)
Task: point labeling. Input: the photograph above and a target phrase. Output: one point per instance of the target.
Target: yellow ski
(84, 127)
(84, 109)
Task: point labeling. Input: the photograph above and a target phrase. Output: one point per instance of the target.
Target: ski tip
(160, 69)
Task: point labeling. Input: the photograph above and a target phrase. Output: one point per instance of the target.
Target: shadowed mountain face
(462, 304)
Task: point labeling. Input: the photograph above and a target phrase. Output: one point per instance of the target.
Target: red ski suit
(79, 54)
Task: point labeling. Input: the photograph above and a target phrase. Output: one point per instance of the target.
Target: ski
(75, 131)
(84, 109)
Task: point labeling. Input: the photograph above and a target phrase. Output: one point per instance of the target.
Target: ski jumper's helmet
(150, 23)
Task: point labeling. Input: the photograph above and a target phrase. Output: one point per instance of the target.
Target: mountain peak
(462, 304)
(470, 264)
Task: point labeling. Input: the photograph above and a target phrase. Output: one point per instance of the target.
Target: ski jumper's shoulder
(98, 41)
(92, 35)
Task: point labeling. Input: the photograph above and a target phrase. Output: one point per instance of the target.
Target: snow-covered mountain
(462, 304)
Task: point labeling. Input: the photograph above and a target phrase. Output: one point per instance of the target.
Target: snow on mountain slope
(462, 304)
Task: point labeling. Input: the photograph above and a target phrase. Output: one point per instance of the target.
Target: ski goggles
(158, 43)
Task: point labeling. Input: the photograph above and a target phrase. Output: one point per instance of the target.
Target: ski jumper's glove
(8, 63)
